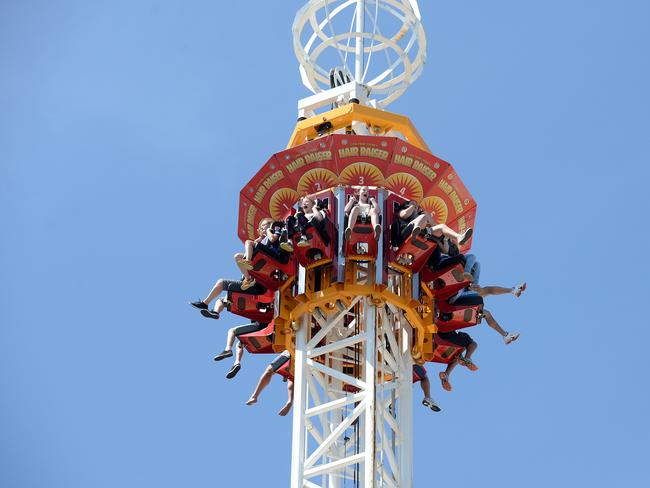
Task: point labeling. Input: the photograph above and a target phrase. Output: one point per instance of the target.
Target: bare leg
(425, 384)
(215, 292)
(239, 354)
(374, 217)
(230, 339)
(352, 218)
(496, 290)
(219, 306)
(287, 406)
(493, 323)
(243, 270)
(450, 368)
(470, 350)
(264, 381)
(374, 220)
(249, 247)
(442, 229)
(422, 221)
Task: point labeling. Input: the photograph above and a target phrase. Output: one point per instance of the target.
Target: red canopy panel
(311, 166)
(250, 216)
(412, 172)
(362, 160)
(348, 159)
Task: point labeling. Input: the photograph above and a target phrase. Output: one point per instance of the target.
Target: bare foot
(285, 409)
(251, 401)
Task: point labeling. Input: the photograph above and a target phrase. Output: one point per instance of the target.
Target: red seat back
(270, 272)
(260, 342)
(461, 316)
(412, 254)
(317, 253)
(445, 282)
(445, 351)
(253, 307)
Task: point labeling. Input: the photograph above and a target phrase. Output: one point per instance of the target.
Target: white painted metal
(389, 48)
(353, 398)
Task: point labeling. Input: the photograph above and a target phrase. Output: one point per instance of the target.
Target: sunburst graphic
(281, 203)
(362, 174)
(316, 179)
(405, 185)
(437, 207)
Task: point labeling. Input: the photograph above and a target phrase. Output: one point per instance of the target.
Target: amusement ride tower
(355, 309)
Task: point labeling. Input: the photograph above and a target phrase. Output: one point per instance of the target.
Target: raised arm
(351, 203)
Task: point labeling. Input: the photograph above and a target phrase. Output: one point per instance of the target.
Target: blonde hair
(266, 220)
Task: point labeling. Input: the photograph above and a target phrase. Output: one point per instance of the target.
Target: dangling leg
(214, 293)
(508, 337)
(287, 406)
(374, 220)
(263, 382)
(352, 219)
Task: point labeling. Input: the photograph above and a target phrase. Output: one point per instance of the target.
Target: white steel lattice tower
(353, 359)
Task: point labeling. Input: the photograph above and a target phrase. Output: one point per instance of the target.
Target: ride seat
(260, 342)
(317, 253)
(447, 281)
(465, 312)
(362, 245)
(269, 271)
(412, 254)
(444, 351)
(254, 307)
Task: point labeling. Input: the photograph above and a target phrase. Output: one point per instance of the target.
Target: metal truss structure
(353, 397)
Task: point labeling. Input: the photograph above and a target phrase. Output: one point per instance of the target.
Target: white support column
(298, 437)
(370, 328)
(405, 417)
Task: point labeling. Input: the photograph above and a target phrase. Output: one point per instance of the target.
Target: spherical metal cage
(348, 35)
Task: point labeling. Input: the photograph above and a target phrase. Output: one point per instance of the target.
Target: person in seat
(234, 333)
(447, 254)
(308, 214)
(412, 220)
(225, 285)
(265, 379)
(364, 206)
(421, 373)
(269, 241)
(464, 340)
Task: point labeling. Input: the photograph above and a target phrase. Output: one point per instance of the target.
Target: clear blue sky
(127, 129)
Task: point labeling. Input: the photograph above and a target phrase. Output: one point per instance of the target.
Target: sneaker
(303, 242)
(211, 314)
(246, 284)
(347, 234)
(511, 337)
(286, 246)
(416, 232)
(429, 403)
(201, 305)
(233, 371)
(223, 355)
(517, 291)
(466, 236)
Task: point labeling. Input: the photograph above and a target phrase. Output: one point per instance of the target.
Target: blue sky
(127, 129)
